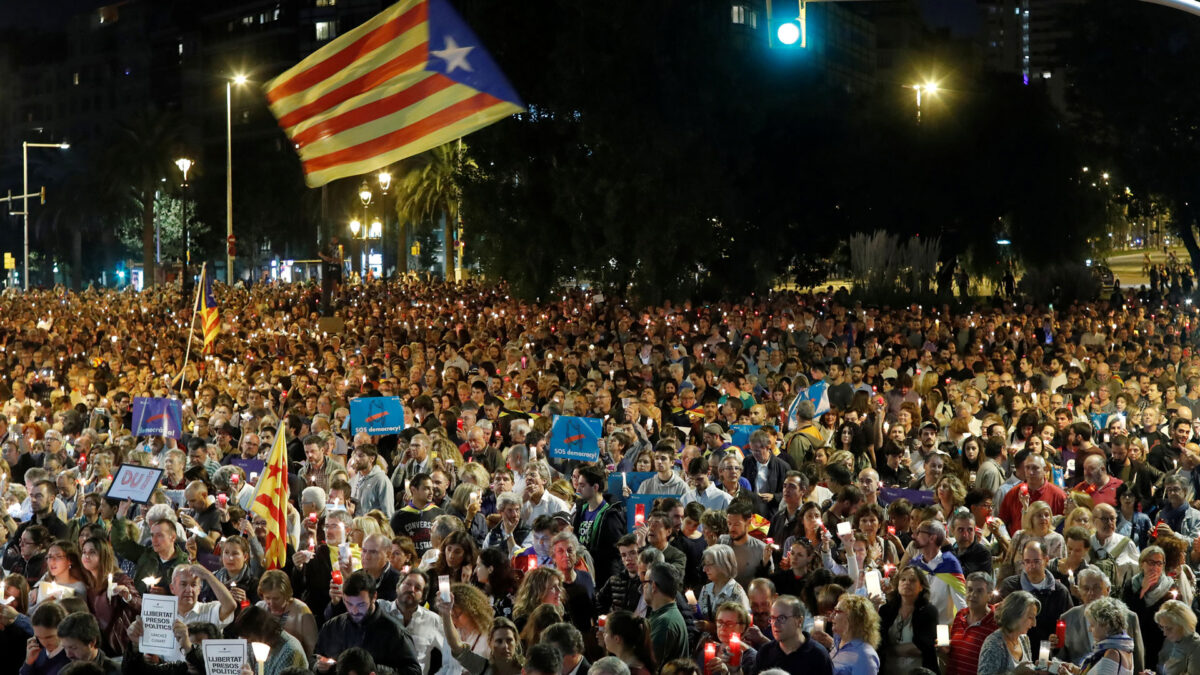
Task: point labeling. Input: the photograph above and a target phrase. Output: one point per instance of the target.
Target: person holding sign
(186, 581)
(154, 562)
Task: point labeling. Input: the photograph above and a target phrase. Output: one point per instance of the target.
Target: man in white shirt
(538, 501)
(423, 625)
(701, 488)
(1106, 543)
(185, 585)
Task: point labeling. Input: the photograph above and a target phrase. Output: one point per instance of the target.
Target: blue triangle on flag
(456, 52)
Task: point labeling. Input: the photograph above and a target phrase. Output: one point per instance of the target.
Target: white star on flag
(454, 56)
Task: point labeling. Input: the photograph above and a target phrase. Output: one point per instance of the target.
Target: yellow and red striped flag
(270, 502)
(410, 79)
(210, 316)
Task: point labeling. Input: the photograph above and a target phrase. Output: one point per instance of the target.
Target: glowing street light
(238, 79)
(929, 89)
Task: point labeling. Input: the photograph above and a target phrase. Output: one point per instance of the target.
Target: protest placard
(158, 626)
(377, 415)
(157, 417)
(224, 657)
(576, 438)
(135, 483)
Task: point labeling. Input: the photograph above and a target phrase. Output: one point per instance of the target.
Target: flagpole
(192, 326)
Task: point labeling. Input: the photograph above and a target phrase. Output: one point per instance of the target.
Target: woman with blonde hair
(855, 634)
(950, 494)
(542, 586)
(467, 622)
(1180, 653)
(444, 449)
(1036, 525)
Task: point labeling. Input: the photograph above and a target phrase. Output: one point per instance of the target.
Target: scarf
(1122, 643)
(1153, 595)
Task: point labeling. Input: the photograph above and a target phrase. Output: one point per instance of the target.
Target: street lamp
(185, 165)
(930, 89)
(25, 146)
(239, 80)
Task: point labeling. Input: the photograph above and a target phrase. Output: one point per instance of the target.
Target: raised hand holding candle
(149, 582)
(691, 597)
(1060, 631)
(710, 652)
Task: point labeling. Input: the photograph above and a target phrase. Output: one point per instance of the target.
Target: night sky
(959, 15)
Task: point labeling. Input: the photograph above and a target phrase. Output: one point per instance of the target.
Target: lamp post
(185, 165)
(385, 181)
(365, 196)
(25, 146)
(238, 80)
(930, 89)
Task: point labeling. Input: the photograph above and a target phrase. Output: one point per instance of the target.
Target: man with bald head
(1035, 488)
(1097, 483)
(205, 515)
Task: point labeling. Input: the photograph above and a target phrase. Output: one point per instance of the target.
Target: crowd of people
(791, 483)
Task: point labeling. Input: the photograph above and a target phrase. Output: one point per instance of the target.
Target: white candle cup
(444, 587)
(1044, 655)
(819, 625)
(943, 635)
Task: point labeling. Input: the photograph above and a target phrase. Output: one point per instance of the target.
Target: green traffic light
(788, 33)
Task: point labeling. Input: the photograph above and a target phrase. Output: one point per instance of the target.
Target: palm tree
(142, 153)
(428, 188)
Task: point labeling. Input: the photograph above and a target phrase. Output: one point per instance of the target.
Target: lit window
(326, 30)
(738, 14)
(181, 47)
(75, 79)
(326, 3)
(248, 20)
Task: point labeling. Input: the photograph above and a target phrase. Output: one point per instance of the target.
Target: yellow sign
(10, 263)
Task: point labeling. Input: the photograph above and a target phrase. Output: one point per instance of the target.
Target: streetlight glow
(355, 226)
(239, 79)
(385, 180)
(788, 33)
(184, 165)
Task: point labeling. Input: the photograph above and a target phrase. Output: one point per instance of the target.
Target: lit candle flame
(150, 581)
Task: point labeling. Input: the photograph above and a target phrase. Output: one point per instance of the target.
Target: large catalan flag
(410, 79)
(270, 502)
(210, 316)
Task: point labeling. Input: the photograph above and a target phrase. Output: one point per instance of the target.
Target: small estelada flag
(412, 78)
(270, 502)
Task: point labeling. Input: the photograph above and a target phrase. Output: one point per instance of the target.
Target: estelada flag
(210, 317)
(409, 79)
(270, 502)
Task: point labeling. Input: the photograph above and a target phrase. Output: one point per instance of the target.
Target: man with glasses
(1177, 515)
(792, 650)
(947, 589)
(1053, 595)
(1108, 544)
(765, 470)
(1078, 642)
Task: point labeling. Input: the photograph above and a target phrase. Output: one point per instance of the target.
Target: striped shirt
(966, 639)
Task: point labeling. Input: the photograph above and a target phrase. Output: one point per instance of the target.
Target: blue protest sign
(576, 438)
(618, 481)
(377, 415)
(157, 417)
(637, 507)
(739, 434)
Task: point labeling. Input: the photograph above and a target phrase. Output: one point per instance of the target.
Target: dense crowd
(791, 483)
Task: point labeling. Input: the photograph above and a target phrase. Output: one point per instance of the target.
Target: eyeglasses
(781, 618)
(1153, 563)
(729, 624)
